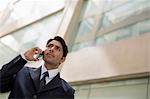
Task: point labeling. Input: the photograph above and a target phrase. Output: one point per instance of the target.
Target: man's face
(53, 54)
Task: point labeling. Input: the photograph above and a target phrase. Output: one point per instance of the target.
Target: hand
(31, 52)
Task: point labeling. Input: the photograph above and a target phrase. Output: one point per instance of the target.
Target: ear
(62, 59)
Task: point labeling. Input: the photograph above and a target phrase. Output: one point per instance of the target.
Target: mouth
(49, 55)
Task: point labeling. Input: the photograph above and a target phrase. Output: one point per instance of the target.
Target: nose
(51, 49)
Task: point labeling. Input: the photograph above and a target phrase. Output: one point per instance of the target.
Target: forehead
(56, 43)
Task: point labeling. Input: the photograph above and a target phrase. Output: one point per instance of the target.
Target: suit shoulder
(26, 69)
(66, 86)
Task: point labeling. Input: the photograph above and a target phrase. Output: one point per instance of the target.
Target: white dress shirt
(52, 73)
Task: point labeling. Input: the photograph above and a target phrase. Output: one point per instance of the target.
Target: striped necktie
(43, 80)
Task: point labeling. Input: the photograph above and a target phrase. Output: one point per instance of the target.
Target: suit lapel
(54, 83)
(35, 75)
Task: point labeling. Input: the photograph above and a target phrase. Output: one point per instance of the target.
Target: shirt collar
(52, 73)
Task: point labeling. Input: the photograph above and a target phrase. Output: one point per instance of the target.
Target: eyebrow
(55, 45)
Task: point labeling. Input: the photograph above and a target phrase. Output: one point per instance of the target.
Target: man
(43, 82)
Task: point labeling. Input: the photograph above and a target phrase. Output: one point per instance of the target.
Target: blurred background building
(108, 40)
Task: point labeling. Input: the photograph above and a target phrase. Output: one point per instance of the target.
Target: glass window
(32, 9)
(11, 42)
(6, 53)
(115, 35)
(120, 13)
(92, 7)
(100, 40)
(117, 3)
(85, 30)
(141, 28)
(86, 26)
(144, 26)
(78, 46)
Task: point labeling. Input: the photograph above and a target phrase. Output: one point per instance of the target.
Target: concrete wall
(128, 56)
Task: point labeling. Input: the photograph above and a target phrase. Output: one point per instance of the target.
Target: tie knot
(45, 74)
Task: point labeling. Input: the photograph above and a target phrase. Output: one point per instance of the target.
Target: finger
(37, 50)
(35, 59)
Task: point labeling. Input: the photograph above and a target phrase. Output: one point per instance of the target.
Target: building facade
(109, 44)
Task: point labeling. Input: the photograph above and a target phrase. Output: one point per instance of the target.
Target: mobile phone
(39, 56)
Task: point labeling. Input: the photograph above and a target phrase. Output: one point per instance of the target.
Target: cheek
(45, 51)
(59, 54)
(59, 57)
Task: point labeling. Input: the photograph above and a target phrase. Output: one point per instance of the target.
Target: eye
(50, 45)
(58, 48)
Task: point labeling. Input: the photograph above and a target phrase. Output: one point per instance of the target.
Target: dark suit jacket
(23, 82)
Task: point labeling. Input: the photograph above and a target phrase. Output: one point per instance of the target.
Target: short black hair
(62, 41)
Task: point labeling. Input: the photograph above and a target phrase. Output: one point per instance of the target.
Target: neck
(50, 67)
